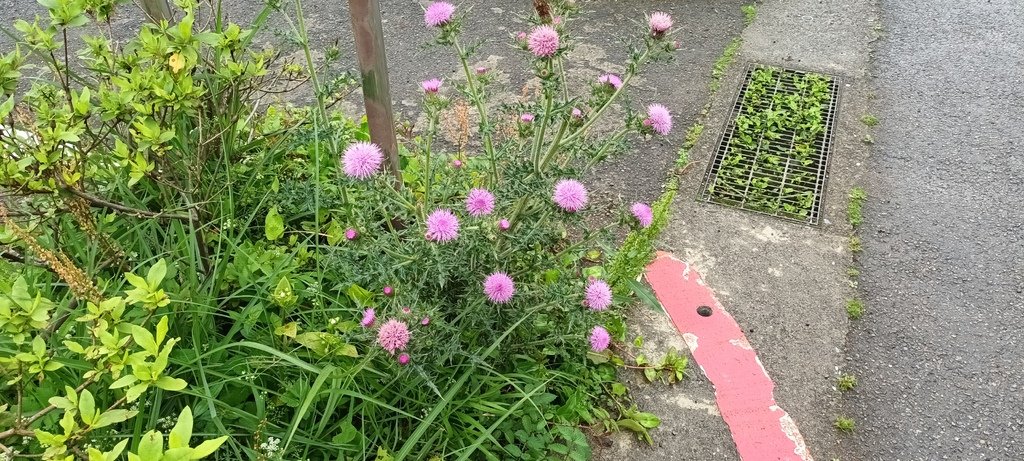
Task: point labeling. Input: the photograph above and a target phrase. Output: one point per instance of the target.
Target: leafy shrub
(183, 260)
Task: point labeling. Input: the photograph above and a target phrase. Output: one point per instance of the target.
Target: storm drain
(773, 154)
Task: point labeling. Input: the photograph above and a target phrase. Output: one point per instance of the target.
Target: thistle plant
(265, 285)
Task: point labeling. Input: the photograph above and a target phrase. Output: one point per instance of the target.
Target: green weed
(749, 14)
(855, 245)
(854, 208)
(869, 120)
(723, 62)
(844, 424)
(846, 382)
(854, 309)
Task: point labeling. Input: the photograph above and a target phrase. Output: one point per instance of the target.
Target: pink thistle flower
(425, 321)
(406, 310)
(403, 359)
(570, 195)
(599, 339)
(598, 295)
(499, 287)
(577, 113)
(660, 23)
(480, 202)
(557, 20)
(388, 291)
(521, 36)
(351, 234)
(643, 213)
(481, 70)
(526, 117)
(393, 335)
(504, 224)
(369, 316)
(543, 41)
(431, 86)
(361, 160)
(438, 14)
(442, 226)
(659, 119)
(457, 164)
(611, 80)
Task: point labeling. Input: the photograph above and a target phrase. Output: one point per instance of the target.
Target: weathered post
(157, 10)
(373, 65)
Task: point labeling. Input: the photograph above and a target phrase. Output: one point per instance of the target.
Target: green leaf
(177, 454)
(74, 347)
(273, 225)
(136, 281)
(594, 271)
(156, 273)
(113, 417)
(347, 350)
(208, 447)
(6, 107)
(87, 407)
(152, 446)
(645, 294)
(631, 425)
(38, 346)
(181, 434)
(144, 339)
(168, 383)
(135, 391)
(514, 451)
(47, 438)
(359, 295)
(647, 420)
(115, 452)
(81, 101)
(326, 343)
(334, 233)
(597, 357)
(126, 380)
(161, 330)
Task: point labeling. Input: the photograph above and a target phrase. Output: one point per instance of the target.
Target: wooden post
(157, 10)
(373, 65)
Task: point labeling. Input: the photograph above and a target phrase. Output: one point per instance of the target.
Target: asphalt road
(940, 355)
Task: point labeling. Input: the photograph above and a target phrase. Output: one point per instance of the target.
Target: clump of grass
(854, 209)
(869, 120)
(846, 382)
(853, 272)
(844, 424)
(856, 247)
(723, 63)
(854, 309)
(749, 14)
(867, 139)
(692, 135)
(683, 157)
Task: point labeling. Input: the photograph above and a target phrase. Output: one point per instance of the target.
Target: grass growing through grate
(773, 154)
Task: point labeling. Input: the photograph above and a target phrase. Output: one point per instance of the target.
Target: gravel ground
(938, 355)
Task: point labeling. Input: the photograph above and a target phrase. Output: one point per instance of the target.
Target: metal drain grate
(773, 154)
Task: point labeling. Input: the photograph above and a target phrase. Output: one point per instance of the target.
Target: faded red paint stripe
(760, 429)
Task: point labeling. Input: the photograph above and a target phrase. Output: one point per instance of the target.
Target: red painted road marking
(760, 429)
